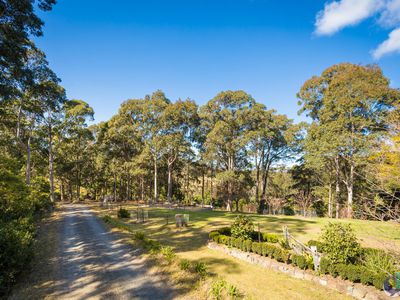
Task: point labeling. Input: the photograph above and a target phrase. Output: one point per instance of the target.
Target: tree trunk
(330, 201)
(142, 188)
(202, 187)
(28, 161)
(115, 188)
(337, 189)
(169, 193)
(51, 161)
(349, 186)
(264, 189)
(155, 180)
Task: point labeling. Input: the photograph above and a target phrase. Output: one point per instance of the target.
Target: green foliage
(200, 268)
(247, 245)
(225, 231)
(123, 213)
(318, 244)
(220, 289)
(242, 227)
(168, 253)
(184, 265)
(378, 261)
(256, 247)
(324, 265)
(379, 280)
(139, 236)
(107, 219)
(217, 289)
(223, 239)
(214, 235)
(299, 261)
(270, 237)
(340, 243)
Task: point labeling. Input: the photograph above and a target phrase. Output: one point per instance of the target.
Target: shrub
(214, 235)
(242, 227)
(107, 219)
(201, 269)
(318, 244)
(184, 265)
(379, 280)
(123, 213)
(354, 273)
(223, 239)
(324, 265)
(168, 253)
(341, 270)
(340, 243)
(151, 245)
(256, 247)
(225, 231)
(378, 261)
(366, 276)
(270, 250)
(270, 237)
(284, 244)
(285, 256)
(16, 239)
(299, 261)
(247, 245)
(139, 236)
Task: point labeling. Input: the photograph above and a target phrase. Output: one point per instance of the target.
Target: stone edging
(355, 290)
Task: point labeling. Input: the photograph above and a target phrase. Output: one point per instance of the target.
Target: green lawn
(191, 242)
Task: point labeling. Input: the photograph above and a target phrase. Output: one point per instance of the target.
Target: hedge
(270, 237)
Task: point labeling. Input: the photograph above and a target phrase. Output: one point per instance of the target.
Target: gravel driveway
(94, 264)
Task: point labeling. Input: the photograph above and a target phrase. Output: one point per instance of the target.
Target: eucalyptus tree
(178, 121)
(75, 143)
(19, 21)
(348, 104)
(224, 124)
(271, 138)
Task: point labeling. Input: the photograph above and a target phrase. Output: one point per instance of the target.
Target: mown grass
(190, 243)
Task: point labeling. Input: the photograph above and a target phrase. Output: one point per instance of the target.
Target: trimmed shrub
(299, 261)
(214, 235)
(354, 273)
(324, 265)
(366, 276)
(223, 239)
(284, 244)
(242, 227)
(123, 213)
(270, 250)
(256, 247)
(247, 245)
(285, 256)
(270, 237)
(340, 243)
(107, 219)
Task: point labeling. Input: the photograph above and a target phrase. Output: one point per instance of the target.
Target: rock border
(355, 290)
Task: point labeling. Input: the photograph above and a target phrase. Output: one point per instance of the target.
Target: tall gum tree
(224, 122)
(349, 104)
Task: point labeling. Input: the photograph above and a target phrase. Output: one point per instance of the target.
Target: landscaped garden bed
(342, 256)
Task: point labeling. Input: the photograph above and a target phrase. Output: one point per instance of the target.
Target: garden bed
(356, 290)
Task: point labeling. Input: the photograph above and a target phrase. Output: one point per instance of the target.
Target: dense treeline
(231, 152)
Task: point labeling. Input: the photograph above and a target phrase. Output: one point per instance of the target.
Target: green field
(191, 242)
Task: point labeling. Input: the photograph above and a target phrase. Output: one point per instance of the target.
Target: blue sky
(108, 51)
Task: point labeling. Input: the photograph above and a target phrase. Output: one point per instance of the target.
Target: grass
(190, 243)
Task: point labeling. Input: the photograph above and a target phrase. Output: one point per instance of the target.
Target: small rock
(359, 292)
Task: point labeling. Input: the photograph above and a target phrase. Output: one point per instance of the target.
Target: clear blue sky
(108, 51)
